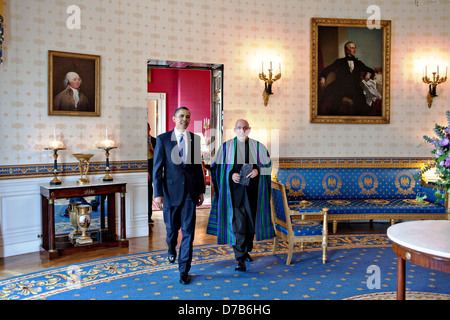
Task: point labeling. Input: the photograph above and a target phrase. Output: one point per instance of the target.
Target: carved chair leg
(275, 244)
(290, 251)
(334, 226)
(392, 222)
(324, 249)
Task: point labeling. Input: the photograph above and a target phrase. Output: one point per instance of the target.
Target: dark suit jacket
(170, 177)
(348, 81)
(346, 85)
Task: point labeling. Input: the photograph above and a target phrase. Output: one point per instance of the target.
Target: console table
(54, 246)
(424, 243)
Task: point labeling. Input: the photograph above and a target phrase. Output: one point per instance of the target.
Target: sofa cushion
(370, 206)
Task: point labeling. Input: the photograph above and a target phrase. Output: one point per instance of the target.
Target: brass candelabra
(55, 146)
(268, 82)
(432, 84)
(107, 148)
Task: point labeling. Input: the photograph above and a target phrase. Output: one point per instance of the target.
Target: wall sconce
(206, 125)
(268, 81)
(433, 83)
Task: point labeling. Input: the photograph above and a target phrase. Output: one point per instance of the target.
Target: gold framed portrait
(350, 71)
(73, 84)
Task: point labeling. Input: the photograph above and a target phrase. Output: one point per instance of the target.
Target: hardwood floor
(33, 262)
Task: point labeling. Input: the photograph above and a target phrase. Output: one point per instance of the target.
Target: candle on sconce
(437, 69)
(271, 66)
(262, 67)
(279, 66)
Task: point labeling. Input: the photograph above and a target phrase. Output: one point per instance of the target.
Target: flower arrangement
(441, 153)
(206, 157)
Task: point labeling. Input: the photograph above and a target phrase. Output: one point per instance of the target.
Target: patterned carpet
(149, 276)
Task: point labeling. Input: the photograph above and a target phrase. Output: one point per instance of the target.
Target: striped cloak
(221, 215)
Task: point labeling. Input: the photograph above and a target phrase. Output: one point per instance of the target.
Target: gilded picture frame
(356, 91)
(73, 84)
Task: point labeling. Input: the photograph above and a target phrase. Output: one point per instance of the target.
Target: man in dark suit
(151, 143)
(179, 186)
(345, 96)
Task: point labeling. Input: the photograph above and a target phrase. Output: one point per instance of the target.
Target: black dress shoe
(240, 266)
(172, 257)
(185, 278)
(248, 257)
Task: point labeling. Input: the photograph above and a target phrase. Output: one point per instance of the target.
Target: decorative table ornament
(72, 208)
(107, 145)
(84, 221)
(55, 146)
(84, 166)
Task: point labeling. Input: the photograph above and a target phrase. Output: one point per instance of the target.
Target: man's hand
(252, 174)
(236, 177)
(200, 199)
(322, 82)
(159, 202)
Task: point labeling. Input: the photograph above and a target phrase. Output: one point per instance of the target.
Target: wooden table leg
(112, 235)
(123, 232)
(400, 278)
(102, 212)
(44, 213)
(51, 225)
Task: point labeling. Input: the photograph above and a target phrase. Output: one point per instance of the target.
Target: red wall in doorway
(189, 88)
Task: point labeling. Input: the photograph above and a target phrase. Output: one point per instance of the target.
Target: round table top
(428, 236)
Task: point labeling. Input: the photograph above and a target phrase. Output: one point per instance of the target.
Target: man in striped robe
(241, 173)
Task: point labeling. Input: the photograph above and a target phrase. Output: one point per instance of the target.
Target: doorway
(165, 94)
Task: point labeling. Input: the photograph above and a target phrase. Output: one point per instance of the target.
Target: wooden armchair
(292, 226)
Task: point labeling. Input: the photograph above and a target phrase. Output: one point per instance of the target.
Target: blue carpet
(148, 276)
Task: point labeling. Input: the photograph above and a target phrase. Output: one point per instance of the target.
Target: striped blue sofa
(359, 189)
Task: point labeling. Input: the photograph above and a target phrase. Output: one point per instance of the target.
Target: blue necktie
(181, 147)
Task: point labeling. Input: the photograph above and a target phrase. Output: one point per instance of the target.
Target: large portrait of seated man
(350, 72)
